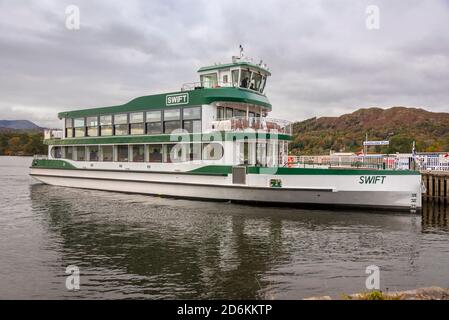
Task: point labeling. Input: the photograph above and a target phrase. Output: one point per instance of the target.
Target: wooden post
(437, 188)
(430, 192)
(446, 195)
(425, 181)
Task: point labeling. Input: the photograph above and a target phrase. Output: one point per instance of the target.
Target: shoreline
(424, 293)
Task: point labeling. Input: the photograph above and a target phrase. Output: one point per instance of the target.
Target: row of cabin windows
(136, 153)
(135, 123)
(228, 113)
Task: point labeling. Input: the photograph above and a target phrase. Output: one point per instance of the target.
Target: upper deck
(228, 97)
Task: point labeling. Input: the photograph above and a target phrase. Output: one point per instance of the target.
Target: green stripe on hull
(306, 171)
(225, 170)
(331, 171)
(51, 164)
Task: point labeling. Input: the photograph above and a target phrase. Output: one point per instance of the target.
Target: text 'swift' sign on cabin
(176, 99)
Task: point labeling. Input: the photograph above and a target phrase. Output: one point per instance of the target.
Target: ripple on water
(134, 246)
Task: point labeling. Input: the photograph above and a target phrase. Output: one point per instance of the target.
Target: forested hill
(21, 137)
(400, 125)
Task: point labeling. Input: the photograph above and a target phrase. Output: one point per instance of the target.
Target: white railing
(368, 162)
(206, 84)
(264, 124)
(434, 162)
(40, 157)
(53, 134)
(215, 84)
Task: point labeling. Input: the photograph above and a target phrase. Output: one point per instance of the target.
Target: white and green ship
(213, 139)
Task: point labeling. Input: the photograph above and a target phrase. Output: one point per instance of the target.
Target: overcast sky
(323, 58)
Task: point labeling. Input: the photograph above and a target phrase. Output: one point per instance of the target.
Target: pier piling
(437, 186)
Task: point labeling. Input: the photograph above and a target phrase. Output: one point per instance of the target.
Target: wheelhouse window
(172, 119)
(255, 81)
(154, 122)
(93, 153)
(192, 119)
(262, 84)
(245, 78)
(81, 153)
(80, 129)
(92, 126)
(137, 123)
(122, 153)
(107, 153)
(209, 80)
(138, 152)
(155, 152)
(106, 125)
(121, 127)
(235, 78)
(69, 128)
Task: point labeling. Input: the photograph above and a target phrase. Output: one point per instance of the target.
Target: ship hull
(308, 190)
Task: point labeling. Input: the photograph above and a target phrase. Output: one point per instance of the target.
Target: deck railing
(264, 124)
(53, 134)
(423, 162)
(216, 84)
(40, 157)
(206, 84)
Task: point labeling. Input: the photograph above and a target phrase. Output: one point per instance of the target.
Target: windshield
(255, 81)
(244, 79)
(262, 83)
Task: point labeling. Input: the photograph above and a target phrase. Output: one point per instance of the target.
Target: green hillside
(400, 125)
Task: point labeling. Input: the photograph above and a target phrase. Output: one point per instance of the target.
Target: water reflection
(165, 251)
(133, 246)
(435, 216)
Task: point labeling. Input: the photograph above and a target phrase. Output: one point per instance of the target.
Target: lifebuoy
(290, 161)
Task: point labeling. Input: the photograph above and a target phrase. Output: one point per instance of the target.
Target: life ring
(290, 161)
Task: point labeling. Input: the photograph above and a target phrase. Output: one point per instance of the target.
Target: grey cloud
(323, 59)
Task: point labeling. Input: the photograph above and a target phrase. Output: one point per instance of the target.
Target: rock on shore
(429, 293)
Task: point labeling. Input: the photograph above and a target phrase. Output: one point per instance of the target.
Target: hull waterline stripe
(216, 174)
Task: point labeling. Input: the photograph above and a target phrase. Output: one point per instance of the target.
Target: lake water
(136, 246)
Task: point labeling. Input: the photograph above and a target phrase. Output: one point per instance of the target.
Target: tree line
(22, 143)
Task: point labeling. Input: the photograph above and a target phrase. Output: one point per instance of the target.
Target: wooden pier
(437, 185)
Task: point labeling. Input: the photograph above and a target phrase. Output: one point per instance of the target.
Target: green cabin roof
(234, 64)
(159, 101)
